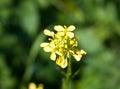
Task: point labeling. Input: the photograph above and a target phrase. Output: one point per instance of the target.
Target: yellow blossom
(49, 33)
(62, 45)
(34, 86)
(78, 54)
(65, 30)
(40, 86)
(61, 61)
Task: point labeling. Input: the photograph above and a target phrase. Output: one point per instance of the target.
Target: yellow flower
(78, 54)
(61, 61)
(33, 86)
(64, 30)
(62, 45)
(49, 33)
(49, 47)
(40, 86)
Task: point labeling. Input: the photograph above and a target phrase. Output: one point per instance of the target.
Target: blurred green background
(21, 31)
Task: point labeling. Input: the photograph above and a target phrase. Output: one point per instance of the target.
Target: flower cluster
(62, 45)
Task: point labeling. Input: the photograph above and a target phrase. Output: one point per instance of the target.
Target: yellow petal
(40, 86)
(32, 86)
(70, 34)
(64, 63)
(59, 28)
(75, 44)
(53, 56)
(60, 33)
(82, 52)
(47, 49)
(71, 28)
(44, 44)
(71, 42)
(77, 57)
(57, 52)
(61, 62)
(48, 33)
(52, 44)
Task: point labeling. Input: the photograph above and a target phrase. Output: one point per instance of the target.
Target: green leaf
(88, 41)
(29, 19)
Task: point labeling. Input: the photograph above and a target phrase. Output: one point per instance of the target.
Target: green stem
(66, 82)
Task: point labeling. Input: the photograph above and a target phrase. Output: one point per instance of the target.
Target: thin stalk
(68, 75)
(66, 81)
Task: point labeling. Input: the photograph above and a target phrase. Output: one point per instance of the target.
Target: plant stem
(68, 75)
(66, 81)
